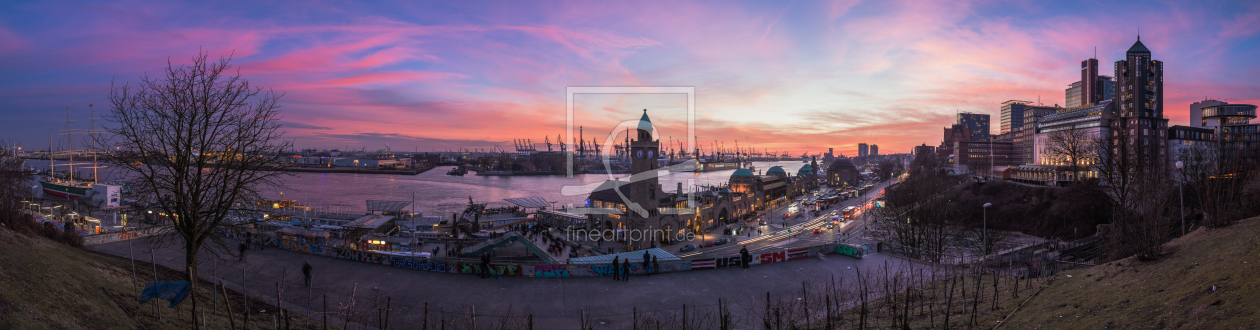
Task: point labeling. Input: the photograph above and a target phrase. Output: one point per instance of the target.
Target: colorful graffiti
(607, 270)
(771, 257)
(359, 256)
(724, 262)
(797, 254)
(420, 264)
(551, 271)
(301, 247)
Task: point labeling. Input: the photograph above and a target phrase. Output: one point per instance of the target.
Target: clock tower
(644, 150)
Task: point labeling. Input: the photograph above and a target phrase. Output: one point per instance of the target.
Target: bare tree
(1141, 190)
(196, 143)
(1217, 176)
(914, 217)
(1073, 147)
(15, 185)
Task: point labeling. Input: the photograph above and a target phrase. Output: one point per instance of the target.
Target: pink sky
(795, 77)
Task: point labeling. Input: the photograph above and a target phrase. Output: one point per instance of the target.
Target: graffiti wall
(118, 236)
(552, 271)
(420, 264)
(529, 270)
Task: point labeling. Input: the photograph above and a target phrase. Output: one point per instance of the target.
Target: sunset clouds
(789, 76)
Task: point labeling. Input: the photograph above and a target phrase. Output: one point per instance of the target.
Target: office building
(1091, 89)
(982, 158)
(1196, 114)
(1013, 115)
(1139, 107)
(1024, 137)
(975, 123)
(1235, 128)
(924, 149)
(863, 151)
(874, 150)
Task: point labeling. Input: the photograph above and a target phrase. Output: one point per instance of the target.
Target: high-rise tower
(1139, 112)
(643, 166)
(1089, 81)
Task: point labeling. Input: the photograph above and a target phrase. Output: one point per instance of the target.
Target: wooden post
(425, 324)
(216, 292)
(325, 313)
(153, 261)
(279, 310)
(388, 301)
(231, 319)
(245, 299)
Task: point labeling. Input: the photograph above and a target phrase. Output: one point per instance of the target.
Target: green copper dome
(645, 123)
(743, 172)
(805, 169)
(776, 170)
(1138, 47)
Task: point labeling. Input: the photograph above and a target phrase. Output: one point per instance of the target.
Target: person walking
(625, 265)
(647, 261)
(616, 268)
(485, 265)
(306, 272)
(242, 248)
(744, 257)
(656, 265)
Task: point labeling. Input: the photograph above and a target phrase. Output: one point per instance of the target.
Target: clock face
(650, 154)
(638, 153)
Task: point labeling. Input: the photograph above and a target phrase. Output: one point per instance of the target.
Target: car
(721, 241)
(816, 231)
(707, 244)
(688, 247)
(835, 212)
(831, 225)
(762, 222)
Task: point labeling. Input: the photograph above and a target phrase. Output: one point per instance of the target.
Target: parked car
(688, 247)
(707, 244)
(721, 241)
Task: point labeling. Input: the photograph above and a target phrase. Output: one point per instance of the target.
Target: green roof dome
(645, 123)
(806, 169)
(776, 169)
(743, 172)
(1138, 47)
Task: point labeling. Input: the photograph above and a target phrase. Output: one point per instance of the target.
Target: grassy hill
(1207, 281)
(48, 285)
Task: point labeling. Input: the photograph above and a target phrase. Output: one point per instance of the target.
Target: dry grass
(1206, 281)
(47, 285)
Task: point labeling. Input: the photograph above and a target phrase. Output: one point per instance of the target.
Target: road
(556, 303)
(777, 236)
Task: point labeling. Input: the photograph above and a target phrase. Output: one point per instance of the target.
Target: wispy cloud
(798, 77)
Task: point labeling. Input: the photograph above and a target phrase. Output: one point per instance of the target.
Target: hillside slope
(1207, 281)
(48, 285)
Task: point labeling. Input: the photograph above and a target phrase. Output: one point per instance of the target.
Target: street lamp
(1182, 191)
(984, 235)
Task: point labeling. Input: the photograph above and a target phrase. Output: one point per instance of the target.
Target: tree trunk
(190, 262)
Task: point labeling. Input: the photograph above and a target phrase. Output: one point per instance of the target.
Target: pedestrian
(744, 257)
(656, 265)
(616, 268)
(306, 272)
(242, 248)
(485, 265)
(625, 265)
(647, 261)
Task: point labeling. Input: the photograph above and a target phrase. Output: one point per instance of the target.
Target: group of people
(622, 271)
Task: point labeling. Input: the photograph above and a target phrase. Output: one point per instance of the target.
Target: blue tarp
(172, 291)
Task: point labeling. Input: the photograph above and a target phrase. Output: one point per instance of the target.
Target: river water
(439, 194)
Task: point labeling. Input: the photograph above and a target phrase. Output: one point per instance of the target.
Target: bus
(849, 212)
